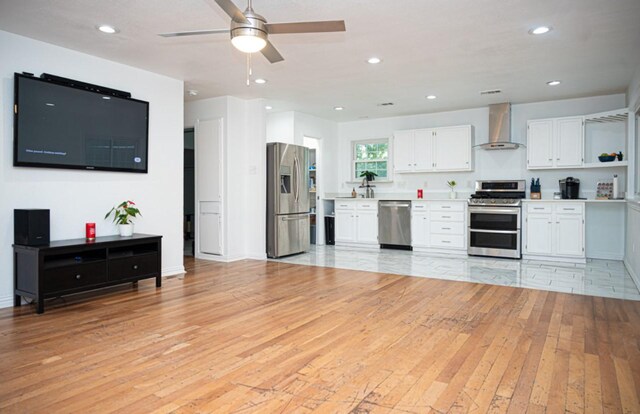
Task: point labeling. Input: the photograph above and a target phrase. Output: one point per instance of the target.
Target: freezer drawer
(292, 235)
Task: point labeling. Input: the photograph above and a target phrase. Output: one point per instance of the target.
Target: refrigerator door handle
(296, 166)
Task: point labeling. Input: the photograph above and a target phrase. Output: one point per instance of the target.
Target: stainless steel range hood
(500, 128)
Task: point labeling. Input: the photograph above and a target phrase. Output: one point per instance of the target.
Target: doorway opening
(314, 194)
(189, 192)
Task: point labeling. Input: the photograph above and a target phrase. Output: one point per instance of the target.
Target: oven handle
(513, 211)
(495, 231)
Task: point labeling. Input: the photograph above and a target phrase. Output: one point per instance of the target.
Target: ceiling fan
(250, 31)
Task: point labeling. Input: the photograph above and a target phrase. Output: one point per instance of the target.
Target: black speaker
(31, 227)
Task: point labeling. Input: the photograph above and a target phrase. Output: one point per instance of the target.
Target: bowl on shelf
(607, 158)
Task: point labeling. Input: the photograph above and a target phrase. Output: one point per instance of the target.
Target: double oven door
(494, 231)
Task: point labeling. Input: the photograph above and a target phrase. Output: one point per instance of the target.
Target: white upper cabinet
(433, 149)
(555, 143)
(540, 144)
(403, 151)
(452, 148)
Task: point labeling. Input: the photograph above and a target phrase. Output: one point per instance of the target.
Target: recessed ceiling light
(105, 28)
(106, 98)
(431, 97)
(338, 108)
(553, 83)
(540, 30)
(268, 107)
(386, 104)
(260, 81)
(192, 92)
(374, 60)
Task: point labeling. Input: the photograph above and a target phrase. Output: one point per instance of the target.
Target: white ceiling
(450, 48)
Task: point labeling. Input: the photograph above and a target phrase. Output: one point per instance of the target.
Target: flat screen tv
(77, 126)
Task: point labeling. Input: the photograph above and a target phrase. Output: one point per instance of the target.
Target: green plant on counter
(452, 184)
(368, 175)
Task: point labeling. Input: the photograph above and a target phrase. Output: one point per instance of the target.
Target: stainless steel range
(495, 212)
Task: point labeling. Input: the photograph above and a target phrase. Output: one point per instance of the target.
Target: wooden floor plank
(263, 337)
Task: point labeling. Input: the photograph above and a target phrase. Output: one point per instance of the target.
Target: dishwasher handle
(399, 205)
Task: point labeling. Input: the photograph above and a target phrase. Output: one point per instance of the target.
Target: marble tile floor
(606, 278)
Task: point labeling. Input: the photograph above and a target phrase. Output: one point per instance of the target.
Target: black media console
(70, 266)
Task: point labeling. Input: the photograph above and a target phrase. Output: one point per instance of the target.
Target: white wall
(77, 197)
(244, 164)
(280, 127)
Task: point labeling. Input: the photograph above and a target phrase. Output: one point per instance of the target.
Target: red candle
(91, 231)
(420, 193)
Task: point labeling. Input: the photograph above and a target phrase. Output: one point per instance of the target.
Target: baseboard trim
(635, 277)
(554, 259)
(257, 256)
(173, 270)
(6, 301)
(605, 256)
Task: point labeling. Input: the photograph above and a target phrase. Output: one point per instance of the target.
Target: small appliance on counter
(570, 188)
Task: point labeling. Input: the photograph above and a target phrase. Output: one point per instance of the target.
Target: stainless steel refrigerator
(287, 199)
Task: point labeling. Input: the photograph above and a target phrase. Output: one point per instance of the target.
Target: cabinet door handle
(446, 216)
(78, 277)
(538, 208)
(569, 209)
(135, 267)
(446, 241)
(446, 228)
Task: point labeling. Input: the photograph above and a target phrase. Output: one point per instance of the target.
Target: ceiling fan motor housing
(255, 25)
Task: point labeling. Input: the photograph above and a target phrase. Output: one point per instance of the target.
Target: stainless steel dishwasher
(394, 224)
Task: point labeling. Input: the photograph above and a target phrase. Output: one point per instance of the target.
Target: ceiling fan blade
(194, 33)
(271, 53)
(232, 10)
(307, 27)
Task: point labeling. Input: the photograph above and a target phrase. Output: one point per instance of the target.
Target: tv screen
(60, 126)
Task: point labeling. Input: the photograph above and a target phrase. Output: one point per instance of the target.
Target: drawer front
(445, 216)
(443, 206)
(72, 277)
(367, 205)
(345, 205)
(133, 267)
(444, 227)
(447, 241)
(538, 208)
(419, 206)
(570, 208)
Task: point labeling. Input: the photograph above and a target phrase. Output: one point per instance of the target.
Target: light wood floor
(268, 337)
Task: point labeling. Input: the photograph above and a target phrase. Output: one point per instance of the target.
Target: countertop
(394, 199)
(590, 200)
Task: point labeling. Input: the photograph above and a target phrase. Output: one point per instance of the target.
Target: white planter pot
(453, 195)
(126, 230)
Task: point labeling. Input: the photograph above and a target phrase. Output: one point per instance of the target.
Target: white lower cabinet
(356, 222)
(555, 230)
(438, 226)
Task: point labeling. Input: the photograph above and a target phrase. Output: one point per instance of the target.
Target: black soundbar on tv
(83, 85)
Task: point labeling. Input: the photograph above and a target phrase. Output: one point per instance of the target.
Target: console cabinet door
(539, 234)
(420, 229)
(540, 144)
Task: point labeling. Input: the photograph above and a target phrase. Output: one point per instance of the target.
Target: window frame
(384, 140)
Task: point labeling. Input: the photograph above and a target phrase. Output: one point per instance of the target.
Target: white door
(420, 229)
(540, 143)
(403, 151)
(208, 182)
(423, 150)
(539, 234)
(569, 235)
(367, 226)
(209, 228)
(345, 226)
(452, 148)
(569, 139)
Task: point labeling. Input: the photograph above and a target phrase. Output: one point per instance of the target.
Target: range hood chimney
(500, 128)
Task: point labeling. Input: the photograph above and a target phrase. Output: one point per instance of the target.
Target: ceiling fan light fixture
(248, 40)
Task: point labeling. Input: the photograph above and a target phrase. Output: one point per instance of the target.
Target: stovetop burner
(498, 193)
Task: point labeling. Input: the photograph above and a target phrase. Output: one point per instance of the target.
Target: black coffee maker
(570, 188)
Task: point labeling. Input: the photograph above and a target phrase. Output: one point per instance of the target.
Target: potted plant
(123, 214)
(368, 177)
(452, 185)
